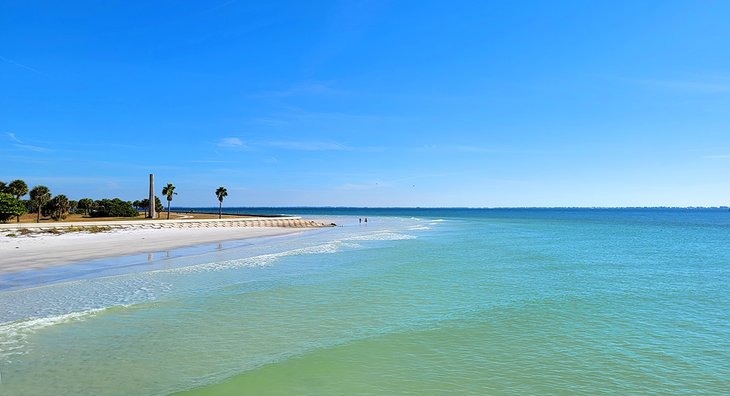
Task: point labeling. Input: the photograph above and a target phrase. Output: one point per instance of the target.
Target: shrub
(10, 207)
(113, 208)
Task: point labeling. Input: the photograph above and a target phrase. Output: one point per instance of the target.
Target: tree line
(41, 202)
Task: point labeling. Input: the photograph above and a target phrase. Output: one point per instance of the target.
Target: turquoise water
(541, 301)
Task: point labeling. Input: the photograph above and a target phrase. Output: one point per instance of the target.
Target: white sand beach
(42, 250)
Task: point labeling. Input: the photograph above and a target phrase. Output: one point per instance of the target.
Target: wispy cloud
(292, 145)
(231, 142)
(19, 144)
(31, 148)
(309, 146)
(20, 65)
(12, 137)
(270, 122)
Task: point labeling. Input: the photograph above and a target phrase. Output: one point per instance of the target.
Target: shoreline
(46, 249)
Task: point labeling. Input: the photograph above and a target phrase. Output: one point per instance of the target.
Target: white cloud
(231, 142)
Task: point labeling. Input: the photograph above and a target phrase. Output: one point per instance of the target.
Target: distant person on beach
(366, 220)
(360, 220)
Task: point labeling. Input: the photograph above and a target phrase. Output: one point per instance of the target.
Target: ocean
(416, 301)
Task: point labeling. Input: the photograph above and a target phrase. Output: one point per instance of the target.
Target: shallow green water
(464, 302)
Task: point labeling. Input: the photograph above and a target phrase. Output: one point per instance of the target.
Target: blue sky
(400, 103)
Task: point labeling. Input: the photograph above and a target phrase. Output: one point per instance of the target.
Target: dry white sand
(42, 251)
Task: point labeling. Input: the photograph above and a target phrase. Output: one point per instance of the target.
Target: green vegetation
(57, 208)
(113, 208)
(221, 193)
(42, 203)
(86, 204)
(89, 229)
(169, 191)
(158, 205)
(39, 196)
(96, 229)
(145, 204)
(10, 207)
(61, 230)
(18, 189)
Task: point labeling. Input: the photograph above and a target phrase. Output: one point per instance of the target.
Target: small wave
(14, 335)
(264, 259)
(415, 228)
(382, 236)
(39, 323)
(80, 295)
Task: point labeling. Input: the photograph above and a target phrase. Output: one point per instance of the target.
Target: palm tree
(87, 204)
(221, 193)
(59, 207)
(169, 190)
(17, 188)
(39, 196)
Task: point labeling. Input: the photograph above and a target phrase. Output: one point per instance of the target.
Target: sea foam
(14, 335)
(264, 259)
(382, 236)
